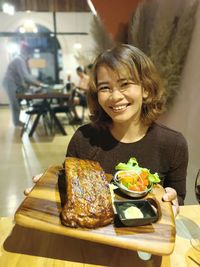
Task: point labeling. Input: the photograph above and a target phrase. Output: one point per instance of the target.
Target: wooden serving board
(41, 210)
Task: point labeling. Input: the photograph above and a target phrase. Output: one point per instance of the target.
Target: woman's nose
(116, 94)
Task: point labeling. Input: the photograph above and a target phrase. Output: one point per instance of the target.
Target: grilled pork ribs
(89, 202)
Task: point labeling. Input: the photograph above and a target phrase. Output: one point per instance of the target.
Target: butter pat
(133, 213)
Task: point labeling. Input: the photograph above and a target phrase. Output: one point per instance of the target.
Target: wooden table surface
(22, 247)
(42, 95)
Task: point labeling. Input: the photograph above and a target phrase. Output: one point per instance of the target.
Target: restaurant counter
(23, 247)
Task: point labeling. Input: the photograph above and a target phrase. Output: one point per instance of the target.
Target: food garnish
(135, 178)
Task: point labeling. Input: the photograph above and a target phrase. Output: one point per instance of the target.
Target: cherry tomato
(144, 175)
(134, 187)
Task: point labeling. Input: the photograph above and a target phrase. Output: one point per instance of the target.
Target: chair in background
(82, 103)
(63, 106)
(40, 111)
(58, 109)
(66, 106)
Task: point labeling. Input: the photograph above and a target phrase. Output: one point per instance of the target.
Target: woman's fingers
(27, 191)
(171, 196)
(175, 208)
(37, 177)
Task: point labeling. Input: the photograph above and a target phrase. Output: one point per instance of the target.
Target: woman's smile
(119, 108)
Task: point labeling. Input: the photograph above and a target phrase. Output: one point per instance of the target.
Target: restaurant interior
(66, 34)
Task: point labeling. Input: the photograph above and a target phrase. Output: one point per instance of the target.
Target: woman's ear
(145, 93)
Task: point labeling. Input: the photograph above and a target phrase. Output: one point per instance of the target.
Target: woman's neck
(128, 133)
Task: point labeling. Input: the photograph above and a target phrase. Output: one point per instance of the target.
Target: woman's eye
(126, 84)
(103, 89)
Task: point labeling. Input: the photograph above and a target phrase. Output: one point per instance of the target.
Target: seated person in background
(68, 86)
(88, 69)
(79, 93)
(125, 98)
(16, 79)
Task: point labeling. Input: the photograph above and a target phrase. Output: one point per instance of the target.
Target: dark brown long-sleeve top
(161, 150)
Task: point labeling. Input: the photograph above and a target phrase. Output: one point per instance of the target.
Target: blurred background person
(79, 94)
(16, 79)
(88, 68)
(69, 84)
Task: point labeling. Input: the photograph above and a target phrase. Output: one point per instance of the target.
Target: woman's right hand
(35, 179)
(171, 196)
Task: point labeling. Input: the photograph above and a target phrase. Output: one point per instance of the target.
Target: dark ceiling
(49, 5)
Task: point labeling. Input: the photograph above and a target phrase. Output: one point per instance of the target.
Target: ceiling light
(8, 9)
(92, 8)
(28, 26)
(22, 29)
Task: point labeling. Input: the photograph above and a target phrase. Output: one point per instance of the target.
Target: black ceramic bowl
(149, 212)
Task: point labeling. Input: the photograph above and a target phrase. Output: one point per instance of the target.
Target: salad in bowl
(134, 180)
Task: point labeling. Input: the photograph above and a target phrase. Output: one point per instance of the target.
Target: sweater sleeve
(176, 177)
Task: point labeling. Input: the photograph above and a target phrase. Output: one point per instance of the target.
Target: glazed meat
(89, 201)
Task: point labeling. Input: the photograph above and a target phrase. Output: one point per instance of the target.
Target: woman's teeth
(119, 108)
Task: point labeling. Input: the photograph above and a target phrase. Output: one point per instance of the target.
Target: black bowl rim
(135, 221)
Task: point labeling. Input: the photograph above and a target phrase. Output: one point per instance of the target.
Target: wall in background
(115, 15)
(184, 116)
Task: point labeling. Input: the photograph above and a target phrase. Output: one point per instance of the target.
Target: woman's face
(120, 98)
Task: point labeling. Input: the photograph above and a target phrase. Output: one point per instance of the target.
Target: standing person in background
(16, 79)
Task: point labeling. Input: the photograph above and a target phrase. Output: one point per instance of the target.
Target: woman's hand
(171, 196)
(35, 179)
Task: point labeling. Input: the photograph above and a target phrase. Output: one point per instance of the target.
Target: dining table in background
(24, 247)
(46, 97)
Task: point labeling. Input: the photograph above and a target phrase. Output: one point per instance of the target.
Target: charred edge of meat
(62, 187)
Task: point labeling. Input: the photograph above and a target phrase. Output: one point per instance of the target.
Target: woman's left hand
(171, 196)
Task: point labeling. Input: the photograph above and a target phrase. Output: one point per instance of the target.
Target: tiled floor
(20, 159)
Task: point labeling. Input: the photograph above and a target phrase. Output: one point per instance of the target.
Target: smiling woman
(123, 126)
(125, 98)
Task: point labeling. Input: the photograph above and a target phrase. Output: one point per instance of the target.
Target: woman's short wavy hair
(129, 60)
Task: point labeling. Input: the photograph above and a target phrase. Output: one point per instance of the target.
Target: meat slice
(89, 201)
